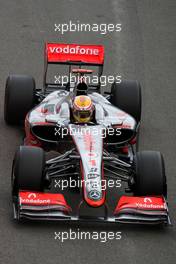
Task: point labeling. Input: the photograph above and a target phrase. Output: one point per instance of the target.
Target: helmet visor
(82, 116)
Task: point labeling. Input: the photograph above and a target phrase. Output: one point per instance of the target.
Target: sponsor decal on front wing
(141, 203)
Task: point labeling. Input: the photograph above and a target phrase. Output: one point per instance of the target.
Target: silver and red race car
(58, 148)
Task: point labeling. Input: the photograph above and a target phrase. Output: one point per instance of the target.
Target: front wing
(129, 209)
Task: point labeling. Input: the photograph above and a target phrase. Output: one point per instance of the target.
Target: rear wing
(72, 54)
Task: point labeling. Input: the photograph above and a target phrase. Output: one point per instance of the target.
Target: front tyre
(28, 169)
(150, 178)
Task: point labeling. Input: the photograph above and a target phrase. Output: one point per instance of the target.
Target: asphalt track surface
(143, 50)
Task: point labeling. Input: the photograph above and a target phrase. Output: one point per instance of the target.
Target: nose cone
(89, 143)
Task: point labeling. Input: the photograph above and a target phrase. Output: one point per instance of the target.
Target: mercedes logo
(94, 195)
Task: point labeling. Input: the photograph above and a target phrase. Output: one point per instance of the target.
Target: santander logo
(80, 50)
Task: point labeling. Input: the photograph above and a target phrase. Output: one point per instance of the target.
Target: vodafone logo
(74, 50)
(32, 195)
(32, 199)
(150, 206)
(147, 200)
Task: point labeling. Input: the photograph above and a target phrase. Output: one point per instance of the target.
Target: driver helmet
(82, 109)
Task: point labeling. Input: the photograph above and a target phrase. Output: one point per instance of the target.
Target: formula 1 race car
(94, 138)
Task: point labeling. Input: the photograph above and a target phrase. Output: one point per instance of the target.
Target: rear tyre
(19, 98)
(127, 96)
(150, 178)
(28, 169)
